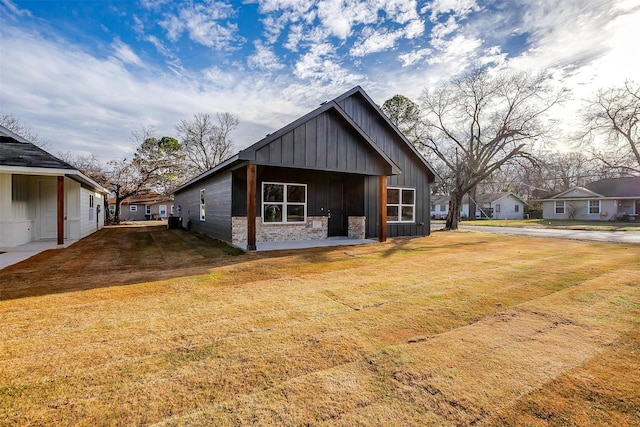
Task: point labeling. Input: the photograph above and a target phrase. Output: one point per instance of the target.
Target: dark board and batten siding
(414, 171)
(217, 221)
(325, 142)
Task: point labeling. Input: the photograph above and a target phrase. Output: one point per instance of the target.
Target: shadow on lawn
(117, 256)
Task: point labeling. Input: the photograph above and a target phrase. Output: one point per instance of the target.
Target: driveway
(599, 236)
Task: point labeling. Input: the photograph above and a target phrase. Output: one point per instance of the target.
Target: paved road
(600, 236)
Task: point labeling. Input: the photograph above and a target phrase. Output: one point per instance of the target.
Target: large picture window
(284, 203)
(401, 204)
(594, 206)
(560, 206)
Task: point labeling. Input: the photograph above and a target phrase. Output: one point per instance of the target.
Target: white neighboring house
(42, 197)
(603, 200)
(505, 205)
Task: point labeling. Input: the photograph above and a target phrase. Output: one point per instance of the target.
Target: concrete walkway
(15, 255)
(593, 235)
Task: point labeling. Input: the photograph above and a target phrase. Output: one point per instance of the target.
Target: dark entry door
(336, 209)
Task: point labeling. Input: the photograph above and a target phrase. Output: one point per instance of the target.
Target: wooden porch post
(251, 207)
(382, 233)
(60, 210)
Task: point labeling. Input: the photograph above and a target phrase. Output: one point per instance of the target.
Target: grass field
(149, 326)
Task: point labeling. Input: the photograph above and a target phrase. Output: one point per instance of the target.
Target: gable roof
(616, 187)
(18, 155)
(359, 91)
(252, 153)
(22, 153)
(627, 187)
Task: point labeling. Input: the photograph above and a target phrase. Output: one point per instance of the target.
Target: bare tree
(17, 126)
(123, 180)
(614, 114)
(87, 164)
(206, 142)
(477, 123)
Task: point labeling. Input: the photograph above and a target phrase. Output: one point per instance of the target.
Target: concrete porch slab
(10, 256)
(305, 244)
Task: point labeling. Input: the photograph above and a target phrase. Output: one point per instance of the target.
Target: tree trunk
(116, 214)
(472, 204)
(455, 202)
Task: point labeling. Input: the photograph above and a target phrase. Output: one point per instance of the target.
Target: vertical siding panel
(287, 148)
(300, 140)
(346, 140)
(319, 131)
(275, 151)
(262, 155)
(320, 148)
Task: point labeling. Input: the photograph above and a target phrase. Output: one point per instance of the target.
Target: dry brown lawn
(148, 326)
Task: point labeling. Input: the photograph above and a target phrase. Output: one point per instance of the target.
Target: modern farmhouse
(341, 170)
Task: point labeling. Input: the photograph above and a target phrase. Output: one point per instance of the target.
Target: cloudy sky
(84, 74)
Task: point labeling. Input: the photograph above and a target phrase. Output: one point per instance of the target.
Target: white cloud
(13, 9)
(201, 22)
(318, 64)
(459, 8)
(264, 58)
(414, 57)
(124, 53)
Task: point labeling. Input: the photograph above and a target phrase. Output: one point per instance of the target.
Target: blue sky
(84, 74)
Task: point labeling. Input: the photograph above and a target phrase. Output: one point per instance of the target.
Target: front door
(48, 193)
(336, 209)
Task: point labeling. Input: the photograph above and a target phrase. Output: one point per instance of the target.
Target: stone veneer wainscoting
(315, 228)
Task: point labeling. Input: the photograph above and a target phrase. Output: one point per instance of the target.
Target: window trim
(203, 205)
(133, 208)
(400, 205)
(147, 209)
(559, 209)
(589, 207)
(285, 203)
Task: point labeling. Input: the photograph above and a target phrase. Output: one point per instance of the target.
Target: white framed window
(202, 206)
(147, 209)
(91, 207)
(516, 208)
(443, 207)
(133, 208)
(112, 210)
(171, 210)
(284, 203)
(559, 206)
(594, 206)
(401, 204)
(163, 211)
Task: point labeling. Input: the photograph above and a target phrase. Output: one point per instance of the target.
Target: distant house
(341, 170)
(142, 207)
(504, 205)
(603, 200)
(42, 197)
(439, 206)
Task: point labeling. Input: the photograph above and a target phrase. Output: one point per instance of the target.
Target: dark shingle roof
(25, 154)
(616, 187)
